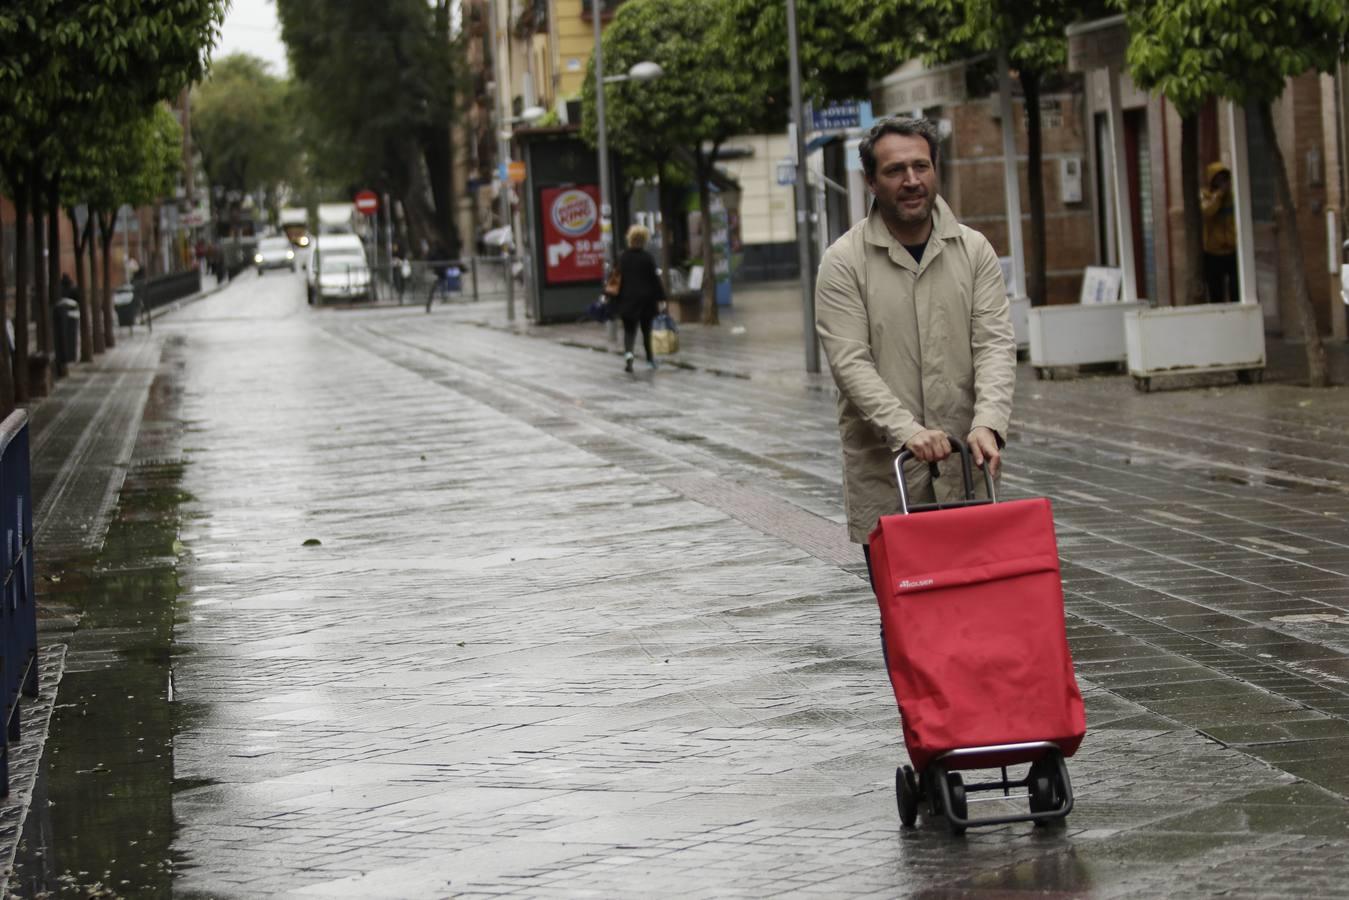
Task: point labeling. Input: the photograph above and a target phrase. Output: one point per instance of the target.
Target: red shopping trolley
(972, 613)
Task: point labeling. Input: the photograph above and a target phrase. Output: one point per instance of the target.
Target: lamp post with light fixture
(505, 189)
(642, 71)
(503, 122)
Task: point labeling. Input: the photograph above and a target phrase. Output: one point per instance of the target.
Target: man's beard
(908, 217)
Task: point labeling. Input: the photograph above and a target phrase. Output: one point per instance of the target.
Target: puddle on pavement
(1060, 875)
(101, 820)
(1312, 619)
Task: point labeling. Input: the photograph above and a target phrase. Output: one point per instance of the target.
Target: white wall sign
(1101, 284)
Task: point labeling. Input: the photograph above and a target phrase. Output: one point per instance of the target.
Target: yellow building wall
(576, 41)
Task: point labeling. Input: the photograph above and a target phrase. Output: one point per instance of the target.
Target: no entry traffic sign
(367, 202)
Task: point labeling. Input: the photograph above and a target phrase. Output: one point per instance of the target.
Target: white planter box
(1079, 334)
(1020, 308)
(1183, 340)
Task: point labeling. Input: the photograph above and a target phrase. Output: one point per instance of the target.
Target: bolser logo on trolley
(574, 213)
(907, 585)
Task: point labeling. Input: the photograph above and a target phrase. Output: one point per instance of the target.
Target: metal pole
(602, 143)
(1120, 181)
(388, 234)
(503, 156)
(1010, 179)
(1241, 201)
(1339, 316)
(802, 200)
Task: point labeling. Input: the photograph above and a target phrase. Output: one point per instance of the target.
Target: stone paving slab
(539, 652)
(25, 786)
(570, 632)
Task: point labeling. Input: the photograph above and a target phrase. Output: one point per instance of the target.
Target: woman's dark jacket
(641, 290)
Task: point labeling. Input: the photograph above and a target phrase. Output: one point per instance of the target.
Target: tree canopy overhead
(1191, 50)
(706, 96)
(377, 82)
(844, 44)
(243, 124)
(63, 64)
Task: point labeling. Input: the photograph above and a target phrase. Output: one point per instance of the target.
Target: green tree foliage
(64, 63)
(1244, 52)
(844, 44)
(70, 71)
(377, 81)
(246, 129)
(1031, 33)
(1191, 50)
(140, 166)
(706, 95)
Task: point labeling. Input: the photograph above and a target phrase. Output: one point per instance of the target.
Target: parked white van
(337, 269)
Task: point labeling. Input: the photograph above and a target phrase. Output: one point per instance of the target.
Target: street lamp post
(603, 138)
(503, 149)
(642, 71)
(802, 198)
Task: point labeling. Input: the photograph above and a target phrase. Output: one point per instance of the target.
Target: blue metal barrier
(18, 607)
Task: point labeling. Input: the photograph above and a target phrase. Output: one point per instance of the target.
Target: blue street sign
(841, 115)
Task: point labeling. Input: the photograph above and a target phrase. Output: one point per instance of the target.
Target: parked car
(274, 253)
(337, 268)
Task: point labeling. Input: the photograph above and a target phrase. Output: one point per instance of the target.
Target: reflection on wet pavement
(471, 614)
(108, 772)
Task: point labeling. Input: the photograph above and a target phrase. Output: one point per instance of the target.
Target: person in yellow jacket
(1220, 235)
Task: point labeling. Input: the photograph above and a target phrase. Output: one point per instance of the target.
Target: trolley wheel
(1042, 798)
(1047, 786)
(1143, 384)
(955, 786)
(1040, 373)
(1250, 376)
(906, 792)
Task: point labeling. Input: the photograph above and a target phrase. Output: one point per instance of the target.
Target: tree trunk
(95, 288)
(6, 363)
(41, 317)
(105, 233)
(1317, 374)
(438, 151)
(1035, 271)
(1194, 219)
(704, 169)
(416, 189)
(666, 232)
(79, 238)
(53, 270)
(21, 302)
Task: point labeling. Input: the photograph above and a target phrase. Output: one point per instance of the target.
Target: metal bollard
(473, 275)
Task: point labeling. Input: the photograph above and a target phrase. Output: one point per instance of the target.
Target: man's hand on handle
(984, 446)
(929, 445)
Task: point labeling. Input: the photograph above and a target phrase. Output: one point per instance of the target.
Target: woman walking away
(639, 294)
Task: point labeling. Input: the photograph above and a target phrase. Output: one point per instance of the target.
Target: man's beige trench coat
(912, 346)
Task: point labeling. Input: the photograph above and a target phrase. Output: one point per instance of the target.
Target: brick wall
(975, 185)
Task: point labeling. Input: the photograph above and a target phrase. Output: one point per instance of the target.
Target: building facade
(1081, 219)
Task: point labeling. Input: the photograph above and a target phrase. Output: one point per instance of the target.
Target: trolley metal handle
(967, 479)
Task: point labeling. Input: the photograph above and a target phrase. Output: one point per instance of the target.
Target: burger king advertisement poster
(572, 244)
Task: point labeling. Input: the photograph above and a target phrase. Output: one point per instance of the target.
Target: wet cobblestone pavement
(472, 613)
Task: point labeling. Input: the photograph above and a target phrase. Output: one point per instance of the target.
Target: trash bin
(66, 316)
(454, 280)
(124, 302)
